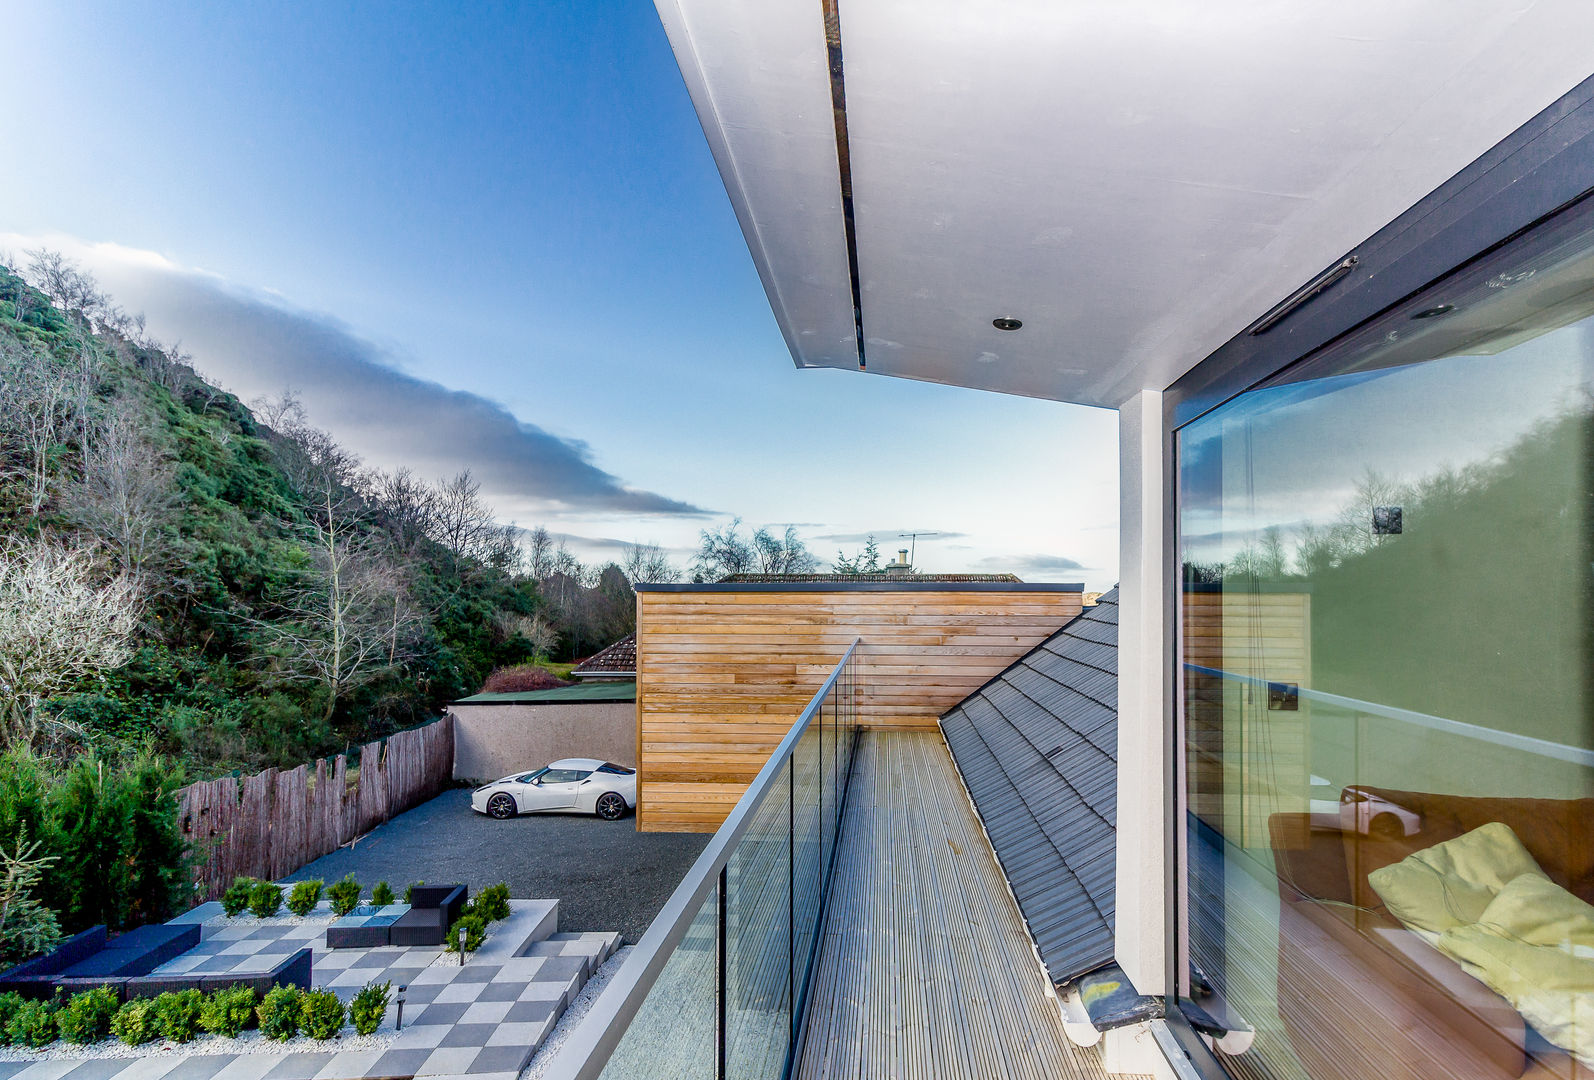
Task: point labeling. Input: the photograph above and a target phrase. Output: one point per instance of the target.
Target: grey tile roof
(1038, 749)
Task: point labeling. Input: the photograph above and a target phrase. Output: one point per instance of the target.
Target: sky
(492, 236)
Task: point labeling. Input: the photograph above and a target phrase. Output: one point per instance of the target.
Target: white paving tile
(486, 1012)
(349, 1064)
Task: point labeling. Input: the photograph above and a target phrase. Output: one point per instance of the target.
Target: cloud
(256, 344)
(1029, 565)
(885, 537)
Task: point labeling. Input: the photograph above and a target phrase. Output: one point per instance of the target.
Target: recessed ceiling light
(1435, 311)
(1006, 323)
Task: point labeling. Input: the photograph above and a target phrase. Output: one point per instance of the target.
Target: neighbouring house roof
(617, 659)
(1037, 747)
(588, 693)
(789, 579)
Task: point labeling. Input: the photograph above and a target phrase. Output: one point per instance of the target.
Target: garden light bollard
(461, 946)
(398, 1016)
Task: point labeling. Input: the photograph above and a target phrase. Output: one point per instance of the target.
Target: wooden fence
(270, 824)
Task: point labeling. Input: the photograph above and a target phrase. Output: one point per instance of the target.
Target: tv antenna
(913, 541)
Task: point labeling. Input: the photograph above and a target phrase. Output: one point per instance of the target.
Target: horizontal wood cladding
(722, 676)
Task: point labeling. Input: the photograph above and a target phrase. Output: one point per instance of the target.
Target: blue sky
(511, 207)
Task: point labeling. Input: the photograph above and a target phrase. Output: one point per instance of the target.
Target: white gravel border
(250, 1042)
(543, 1059)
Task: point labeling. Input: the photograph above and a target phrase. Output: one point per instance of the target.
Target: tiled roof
(788, 579)
(1037, 747)
(617, 659)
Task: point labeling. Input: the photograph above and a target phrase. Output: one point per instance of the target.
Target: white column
(1143, 686)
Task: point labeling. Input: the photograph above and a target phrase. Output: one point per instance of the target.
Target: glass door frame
(1521, 184)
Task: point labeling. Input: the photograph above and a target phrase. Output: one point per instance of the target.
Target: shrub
(177, 1014)
(279, 1012)
(321, 1014)
(228, 1011)
(264, 899)
(33, 1024)
(475, 928)
(236, 899)
(302, 898)
(521, 679)
(86, 1017)
(345, 895)
(10, 1002)
(369, 1007)
(134, 1022)
(492, 903)
(409, 891)
(382, 895)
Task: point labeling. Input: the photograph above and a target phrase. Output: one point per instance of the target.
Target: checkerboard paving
(483, 1020)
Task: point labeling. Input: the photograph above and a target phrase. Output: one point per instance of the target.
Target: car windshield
(531, 777)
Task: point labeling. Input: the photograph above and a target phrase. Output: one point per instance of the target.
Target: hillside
(291, 601)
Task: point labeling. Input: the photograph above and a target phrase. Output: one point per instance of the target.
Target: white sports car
(578, 785)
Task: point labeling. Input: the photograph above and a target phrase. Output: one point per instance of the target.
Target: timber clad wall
(724, 671)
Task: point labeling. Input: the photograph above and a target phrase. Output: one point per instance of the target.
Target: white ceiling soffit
(1136, 181)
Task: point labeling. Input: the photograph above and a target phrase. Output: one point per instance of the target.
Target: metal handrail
(592, 1043)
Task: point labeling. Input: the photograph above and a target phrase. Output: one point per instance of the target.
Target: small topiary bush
(33, 1024)
(492, 903)
(475, 928)
(369, 1006)
(302, 898)
(235, 901)
(228, 1011)
(321, 1014)
(345, 895)
(265, 899)
(134, 1022)
(279, 1012)
(409, 891)
(177, 1014)
(382, 895)
(10, 1002)
(86, 1017)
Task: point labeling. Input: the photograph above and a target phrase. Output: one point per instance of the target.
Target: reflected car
(1376, 817)
(570, 785)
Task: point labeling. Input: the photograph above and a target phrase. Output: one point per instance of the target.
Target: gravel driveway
(605, 874)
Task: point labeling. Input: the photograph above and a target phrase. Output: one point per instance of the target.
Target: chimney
(900, 566)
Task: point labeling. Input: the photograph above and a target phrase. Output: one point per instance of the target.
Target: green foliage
(33, 1024)
(304, 895)
(279, 1012)
(475, 928)
(492, 903)
(344, 895)
(227, 1011)
(235, 901)
(265, 899)
(134, 1022)
(382, 895)
(369, 1006)
(409, 891)
(10, 1002)
(86, 1017)
(321, 1014)
(177, 1014)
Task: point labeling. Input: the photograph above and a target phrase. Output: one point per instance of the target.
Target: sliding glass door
(1385, 646)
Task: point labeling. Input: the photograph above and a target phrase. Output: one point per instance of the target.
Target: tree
(722, 552)
(61, 621)
(784, 554)
(36, 415)
(127, 494)
(866, 561)
(537, 553)
(648, 563)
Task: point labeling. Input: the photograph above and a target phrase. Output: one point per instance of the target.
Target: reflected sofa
(1361, 996)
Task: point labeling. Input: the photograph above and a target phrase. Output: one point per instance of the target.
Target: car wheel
(501, 806)
(610, 807)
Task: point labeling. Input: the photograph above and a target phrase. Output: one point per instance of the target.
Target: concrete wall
(495, 740)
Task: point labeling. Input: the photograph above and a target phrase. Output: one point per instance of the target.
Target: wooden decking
(926, 970)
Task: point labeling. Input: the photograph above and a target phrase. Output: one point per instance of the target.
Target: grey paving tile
(102, 1069)
(9, 1069)
(249, 1067)
(49, 1070)
(201, 1067)
(562, 967)
(150, 1068)
(500, 991)
(530, 1012)
(443, 1012)
(399, 1063)
(494, 1059)
(420, 993)
(401, 976)
(468, 1035)
(299, 1066)
(477, 973)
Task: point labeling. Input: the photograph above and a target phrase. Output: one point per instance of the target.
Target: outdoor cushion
(1450, 884)
(1551, 988)
(138, 952)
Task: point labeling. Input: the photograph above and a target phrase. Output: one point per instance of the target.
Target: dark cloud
(1029, 565)
(350, 387)
(884, 537)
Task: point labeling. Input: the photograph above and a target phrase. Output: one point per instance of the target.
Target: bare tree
(783, 554)
(648, 563)
(127, 492)
(466, 526)
(61, 620)
(722, 552)
(36, 415)
(406, 504)
(537, 552)
(539, 632)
